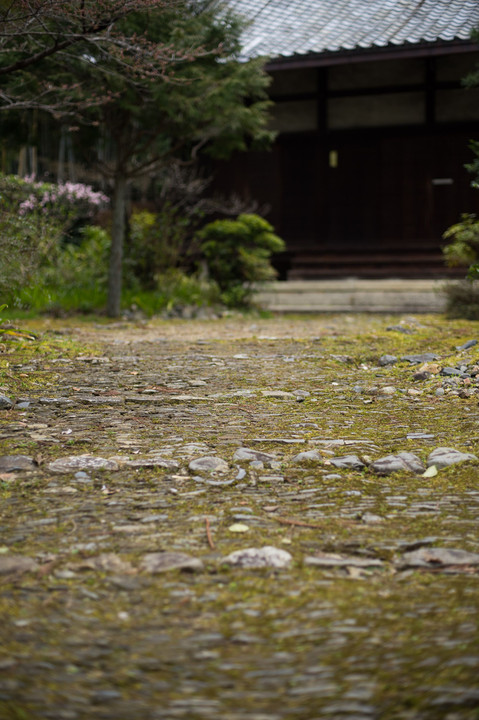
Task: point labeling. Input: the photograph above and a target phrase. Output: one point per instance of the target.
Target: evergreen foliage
(238, 254)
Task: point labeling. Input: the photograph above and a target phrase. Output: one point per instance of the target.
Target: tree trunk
(117, 240)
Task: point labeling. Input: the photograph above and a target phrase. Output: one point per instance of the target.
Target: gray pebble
(162, 561)
(260, 557)
(449, 371)
(15, 463)
(208, 464)
(13, 563)
(397, 463)
(5, 402)
(387, 360)
(466, 345)
(443, 457)
(310, 456)
(416, 359)
(81, 462)
(436, 557)
(249, 454)
(348, 461)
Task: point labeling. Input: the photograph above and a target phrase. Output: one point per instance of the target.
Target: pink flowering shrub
(63, 199)
(34, 218)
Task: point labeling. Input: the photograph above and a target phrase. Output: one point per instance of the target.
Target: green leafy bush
(175, 292)
(35, 219)
(463, 248)
(238, 255)
(158, 243)
(462, 299)
(75, 278)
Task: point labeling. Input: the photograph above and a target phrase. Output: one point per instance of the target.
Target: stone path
(268, 519)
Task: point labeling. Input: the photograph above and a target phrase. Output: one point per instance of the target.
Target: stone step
(353, 295)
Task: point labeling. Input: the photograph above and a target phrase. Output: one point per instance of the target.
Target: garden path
(138, 463)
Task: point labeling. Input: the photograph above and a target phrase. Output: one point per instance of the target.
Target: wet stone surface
(243, 518)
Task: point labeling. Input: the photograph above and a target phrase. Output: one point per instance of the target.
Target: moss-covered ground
(87, 633)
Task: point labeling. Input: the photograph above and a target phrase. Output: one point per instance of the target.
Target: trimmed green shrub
(238, 255)
(462, 299)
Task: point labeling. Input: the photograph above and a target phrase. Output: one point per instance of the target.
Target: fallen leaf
(238, 528)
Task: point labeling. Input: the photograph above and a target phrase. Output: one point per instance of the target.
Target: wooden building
(374, 128)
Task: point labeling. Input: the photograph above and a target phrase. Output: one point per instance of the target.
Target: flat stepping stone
(5, 402)
(404, 461)
(16, 564)
(307, 457)
(209, 464)
(163, 561)
(352, 462)
(267, 556)
(443, 457)
(16, 463)
(72, 463)
(251, 455)
(107, 562)
(152, 462)
(438, 557)
(336, 560)
(416, 359)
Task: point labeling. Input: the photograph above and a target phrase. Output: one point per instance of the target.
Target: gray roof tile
(291, 27)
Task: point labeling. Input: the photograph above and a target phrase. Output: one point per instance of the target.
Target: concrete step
(353, 295)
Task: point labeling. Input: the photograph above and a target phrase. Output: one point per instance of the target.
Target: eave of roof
(389, 52)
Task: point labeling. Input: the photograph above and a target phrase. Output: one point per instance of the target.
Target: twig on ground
(208, 535)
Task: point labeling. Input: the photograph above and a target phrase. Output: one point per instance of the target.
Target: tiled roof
(299, 27)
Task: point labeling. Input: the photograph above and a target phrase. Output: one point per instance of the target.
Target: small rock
(443, 457)
(209, 464)
(466, 345)
(15, 463)
(334, 560)
(431, 368)
(162, 561)
(348, 461)
(387, 360)
(278, 394)
(438, 557)
(310, 456)
(249, 454)
(5, 402)
(16, 564)
(301, 394)
(387, 390)
(401, 462)
(450, 371)
(81, 462)
(416, 359)
(260, 557)
(371, 518)
(108, 562)
(439, 392)
(424, 375)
